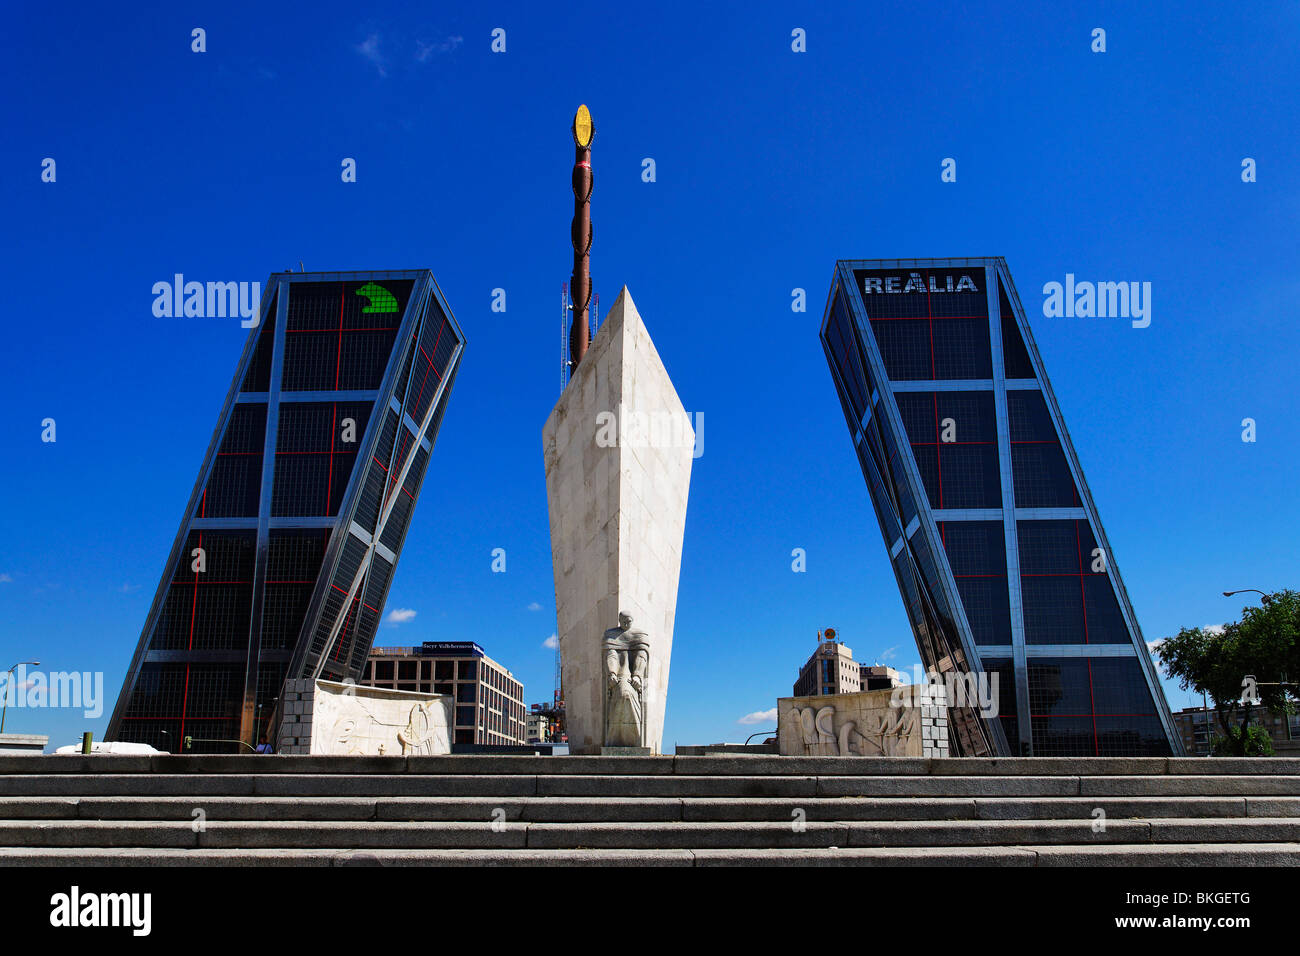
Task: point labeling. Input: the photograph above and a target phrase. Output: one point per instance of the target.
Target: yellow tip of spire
(583, 128)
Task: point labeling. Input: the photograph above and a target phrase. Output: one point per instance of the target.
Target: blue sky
(770, 165)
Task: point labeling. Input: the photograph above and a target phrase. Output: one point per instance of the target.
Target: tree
(1264, 644)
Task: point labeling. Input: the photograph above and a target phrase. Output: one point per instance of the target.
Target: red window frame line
(330, 452)
(1094, 715)
(194, 602)
(354, 599)
(1064, 574)
(375, 328)
(918, 318)
(343, 633)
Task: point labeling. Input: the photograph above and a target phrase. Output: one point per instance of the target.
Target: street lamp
(8, 684)
(1264, 594)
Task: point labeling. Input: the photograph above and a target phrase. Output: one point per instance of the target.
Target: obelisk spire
(580, 232)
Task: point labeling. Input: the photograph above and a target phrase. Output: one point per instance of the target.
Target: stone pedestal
(327, 717)
(618, 449)
(23, 743)
(907, 721)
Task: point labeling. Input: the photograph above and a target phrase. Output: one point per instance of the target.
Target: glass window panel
(1041, 477)
(1053, 610)
(968, 476)
(1028, 417)
(974, 547)
(1048, 547)
(1105, 621)
(1119, 688)
(987, 608)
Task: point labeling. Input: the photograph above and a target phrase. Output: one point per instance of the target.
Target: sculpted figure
(627, 664)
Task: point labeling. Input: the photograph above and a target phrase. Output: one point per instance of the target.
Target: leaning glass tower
(994, 538)
(287, 546)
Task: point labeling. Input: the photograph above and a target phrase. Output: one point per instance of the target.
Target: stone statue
(627, 662)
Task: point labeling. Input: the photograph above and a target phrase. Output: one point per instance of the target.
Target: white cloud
(424, 49)
(551, 642)
(399, 615)
(889, 653)
(6, 579)
(369, 48)
(1213, 629)
(534, 606)
(759, 717)
(128, 588)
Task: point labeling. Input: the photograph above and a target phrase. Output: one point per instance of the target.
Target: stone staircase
(680, 811)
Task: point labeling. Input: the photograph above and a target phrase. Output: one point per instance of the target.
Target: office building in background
(489, 702)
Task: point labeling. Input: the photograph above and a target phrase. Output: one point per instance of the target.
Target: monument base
(326, 717)
(625, 751)
(906, 721)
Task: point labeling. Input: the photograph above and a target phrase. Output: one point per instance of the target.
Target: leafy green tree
(1264, 644)
(1252, 742)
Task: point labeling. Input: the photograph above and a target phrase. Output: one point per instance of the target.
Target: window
(1041, 475)
(1067, 594)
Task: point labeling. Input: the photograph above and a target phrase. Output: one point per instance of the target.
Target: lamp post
(1263, 594)
(8, 684)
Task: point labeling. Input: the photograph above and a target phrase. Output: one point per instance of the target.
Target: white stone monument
(327, 717)
(618, 449)
(906, 721)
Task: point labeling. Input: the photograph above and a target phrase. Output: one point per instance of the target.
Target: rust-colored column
(580, 232)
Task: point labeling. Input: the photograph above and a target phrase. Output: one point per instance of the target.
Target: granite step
(690, 811)
(1112, 855)
(668, 785)
(366, 835)
(717, 765)
(638, 809)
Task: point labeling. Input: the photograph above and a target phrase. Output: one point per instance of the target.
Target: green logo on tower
(378, 298)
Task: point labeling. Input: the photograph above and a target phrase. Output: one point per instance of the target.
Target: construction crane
(554, 711)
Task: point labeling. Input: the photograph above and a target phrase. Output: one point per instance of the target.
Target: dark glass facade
(282, 564)
(991, 530)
